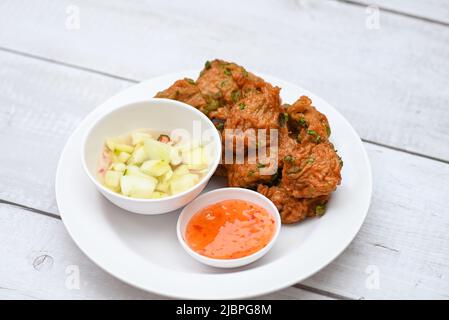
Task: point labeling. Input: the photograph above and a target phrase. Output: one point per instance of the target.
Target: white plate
(144, 251)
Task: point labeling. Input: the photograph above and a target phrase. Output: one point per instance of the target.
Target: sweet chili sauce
(230, 229)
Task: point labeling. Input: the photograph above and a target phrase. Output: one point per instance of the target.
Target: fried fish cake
(306, 122)
(184, 90)
(251, 173)
(293, 209)
(256, 112)
(224, 81)
(311, 170)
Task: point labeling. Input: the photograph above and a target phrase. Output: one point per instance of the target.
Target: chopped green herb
(207, 65)
(189, 80)
(261, 165)
(303, 123)
(320, 210)
(222, 84)
(235, 95)
(276, 178)
(250, 173)
(310, 160)
(242, 106)
(283, 119)
(218, 95)
(213, 105)
(313, 133)
(341, 162)
(328, 131)
(227, 72)
(220, 126)
(289, 158)
(245, 73)
(294, 169)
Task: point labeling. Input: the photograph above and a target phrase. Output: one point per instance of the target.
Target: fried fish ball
(293, 209)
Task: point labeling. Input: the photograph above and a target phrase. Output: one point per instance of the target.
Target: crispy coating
(293, 209)
(185, 91)
(251, 173)
(258, 109)
(306, 122)
(225, 81)
(311, 170)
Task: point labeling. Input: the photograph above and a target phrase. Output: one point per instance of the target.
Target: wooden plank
(391, 83)
(433, 10)
(404, 236)
(40, 261)
(404, 239)
(40, 105)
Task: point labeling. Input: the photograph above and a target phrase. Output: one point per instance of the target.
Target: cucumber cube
(158, 195)
(137, 187)
(181, 170)
(183, 183)
(123, 156)
(157, 150)
(155, 168)
(139, 137)
(112, 180)
(138, 156)
(118, 166)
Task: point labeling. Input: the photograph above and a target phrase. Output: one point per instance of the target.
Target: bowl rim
(205, 178)
(269, 206)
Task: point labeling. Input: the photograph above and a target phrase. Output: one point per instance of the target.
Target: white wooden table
(388, 76)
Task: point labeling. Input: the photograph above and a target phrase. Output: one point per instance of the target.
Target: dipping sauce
(230, 229)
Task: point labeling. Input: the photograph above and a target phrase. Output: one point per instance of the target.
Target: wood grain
(39, 261)
(404, 236)
(431, 10)
(391, 83)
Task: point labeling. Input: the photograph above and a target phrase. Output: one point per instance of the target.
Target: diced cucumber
(166, 176)
(196, 159)
(139, 137)
(124, 147)
(175, 156)
(110, 144)
(157, 150)
(133, 170)
(163, 186)
(193, 156)
(181, 183)
(112, 179)
(138, 156)
(181, 170)
(123, 156)
(155, 168)
(137, 187)
(118, 166)
(158, 195)
(114, 145)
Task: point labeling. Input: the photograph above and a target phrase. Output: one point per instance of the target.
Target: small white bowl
(156, 114)
(215, 196)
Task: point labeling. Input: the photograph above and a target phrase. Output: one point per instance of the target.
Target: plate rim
(248, 293)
